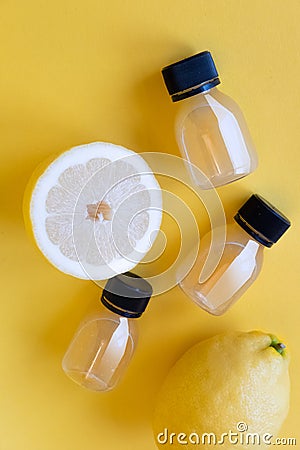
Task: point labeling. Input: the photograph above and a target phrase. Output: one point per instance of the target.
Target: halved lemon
(95, 211)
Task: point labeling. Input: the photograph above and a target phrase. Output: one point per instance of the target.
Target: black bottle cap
(127, 294)
(195, 74)
(262, 220)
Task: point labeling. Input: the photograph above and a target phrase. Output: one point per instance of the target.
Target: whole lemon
(231, 390)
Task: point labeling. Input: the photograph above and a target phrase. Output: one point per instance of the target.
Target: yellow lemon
(230, 391)
(95, 210)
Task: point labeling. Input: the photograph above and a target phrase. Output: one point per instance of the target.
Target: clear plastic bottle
(211, 131)
(258, 225)
(104, 343)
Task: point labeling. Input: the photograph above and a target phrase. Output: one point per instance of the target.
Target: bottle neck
(199, 89)
(119, 310)
(259, 237)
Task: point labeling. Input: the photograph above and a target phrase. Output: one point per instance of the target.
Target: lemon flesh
(95, 210)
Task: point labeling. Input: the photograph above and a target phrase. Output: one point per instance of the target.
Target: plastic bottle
(210, 128)
(104, 343)
(257, 225)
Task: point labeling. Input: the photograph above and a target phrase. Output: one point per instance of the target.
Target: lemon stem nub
(279, 347)
(96, 209)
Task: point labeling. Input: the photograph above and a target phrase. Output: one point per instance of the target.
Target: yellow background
(78, 71)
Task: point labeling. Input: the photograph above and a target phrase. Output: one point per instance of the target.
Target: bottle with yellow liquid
(104, 344)
(211, 131)
(258, 225)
